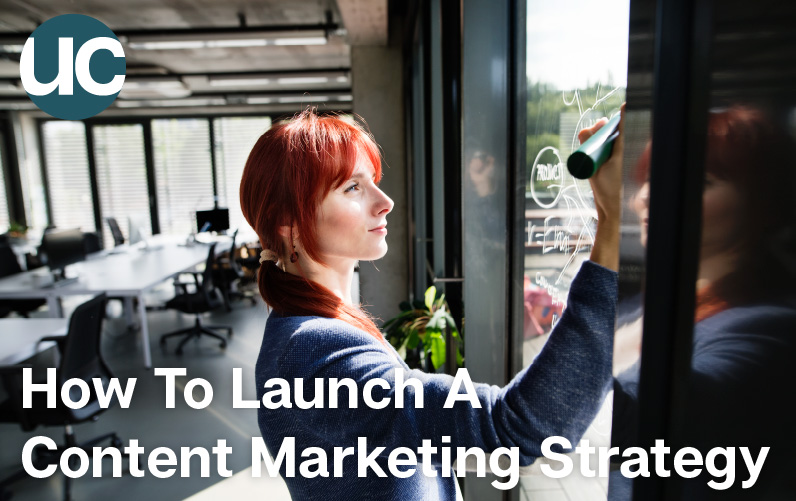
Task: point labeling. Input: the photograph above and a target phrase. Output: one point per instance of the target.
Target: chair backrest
(233, 263)
(91, 242)
(116, 232)
(9, 265)
(81, 357)
(208, 286)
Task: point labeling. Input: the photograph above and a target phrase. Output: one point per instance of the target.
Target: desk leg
(128, 312)
(54, 306)
(144, 332)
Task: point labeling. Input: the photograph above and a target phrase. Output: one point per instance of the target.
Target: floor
(153, 425)
(147, 418)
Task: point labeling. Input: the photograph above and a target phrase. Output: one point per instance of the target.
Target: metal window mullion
(679, 119)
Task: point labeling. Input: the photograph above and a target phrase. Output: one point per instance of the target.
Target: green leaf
(436, 344)
(431, 293)
(412, 339)
(459, 358)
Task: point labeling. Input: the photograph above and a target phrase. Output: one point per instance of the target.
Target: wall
(377, 80)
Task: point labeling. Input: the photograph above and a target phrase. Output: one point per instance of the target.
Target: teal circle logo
(72, 67)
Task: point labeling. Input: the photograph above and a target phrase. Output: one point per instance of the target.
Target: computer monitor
(63, 247)
(138, 228)
(212, 220)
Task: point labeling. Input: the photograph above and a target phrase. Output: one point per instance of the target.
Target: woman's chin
(377, 254)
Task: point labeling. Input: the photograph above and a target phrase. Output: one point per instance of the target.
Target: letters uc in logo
(72, 67)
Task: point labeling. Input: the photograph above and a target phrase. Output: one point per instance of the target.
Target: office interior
(476, 105)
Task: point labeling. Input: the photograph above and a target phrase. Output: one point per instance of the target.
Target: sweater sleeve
(558, 394)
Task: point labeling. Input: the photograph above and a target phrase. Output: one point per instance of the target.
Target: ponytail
(289, 294)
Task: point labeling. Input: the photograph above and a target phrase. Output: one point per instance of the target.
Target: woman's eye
(352, 187)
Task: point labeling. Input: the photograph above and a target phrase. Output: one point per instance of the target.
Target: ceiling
(247, 54)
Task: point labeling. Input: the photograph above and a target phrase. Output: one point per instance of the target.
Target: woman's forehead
(364, 167)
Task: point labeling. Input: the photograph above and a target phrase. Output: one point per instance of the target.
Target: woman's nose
(641, 200)
(384, 204)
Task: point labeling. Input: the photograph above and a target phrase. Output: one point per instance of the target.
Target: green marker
(585, 161)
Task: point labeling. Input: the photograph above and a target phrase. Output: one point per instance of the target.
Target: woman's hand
(606, 185)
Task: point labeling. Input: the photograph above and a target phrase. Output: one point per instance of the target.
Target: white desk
(128, 274)
(19, 337)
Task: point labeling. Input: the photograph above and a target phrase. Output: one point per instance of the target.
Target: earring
(294, 257)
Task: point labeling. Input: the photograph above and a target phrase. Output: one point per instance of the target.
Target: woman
(310, 190)
(745, 320)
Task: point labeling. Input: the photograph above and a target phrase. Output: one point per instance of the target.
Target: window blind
(183, 173)
(4, 219)
(234, 138)
(67, 175)
(121, 175)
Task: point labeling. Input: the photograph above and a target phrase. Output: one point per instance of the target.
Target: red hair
(745, 147)
(290, 170)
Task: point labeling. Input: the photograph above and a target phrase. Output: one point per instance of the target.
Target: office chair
(10, 266)
(80, 358)
(91, 242)
(202, 300)
(116, 232)
(226, 273)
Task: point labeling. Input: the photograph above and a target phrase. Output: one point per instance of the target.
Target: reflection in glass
(745, 313)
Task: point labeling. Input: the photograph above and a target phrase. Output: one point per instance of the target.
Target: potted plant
(17, 230)
(418, 332)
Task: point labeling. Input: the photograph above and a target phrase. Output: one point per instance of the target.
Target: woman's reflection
(745, 309)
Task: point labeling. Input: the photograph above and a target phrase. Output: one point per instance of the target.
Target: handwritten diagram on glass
(577, 73)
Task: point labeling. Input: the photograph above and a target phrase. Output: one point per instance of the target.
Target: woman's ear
(289, 234)
(284, 231)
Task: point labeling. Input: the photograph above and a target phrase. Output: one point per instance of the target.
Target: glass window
(4, 219)
(183, 172)
(66, 160)
(576, 64)
(121, 175)
(234, 139)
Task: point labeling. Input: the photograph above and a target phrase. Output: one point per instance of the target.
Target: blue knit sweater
(559, 394)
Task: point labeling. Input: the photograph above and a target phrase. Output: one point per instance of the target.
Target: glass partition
(4, 218)
(576, 65)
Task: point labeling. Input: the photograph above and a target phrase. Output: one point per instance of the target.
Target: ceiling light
(160, 103)
(223, 39)
(303, 99)
(238, 82)
(259, 100)
(11, 48)
(154, 88)
(302, 80)
(314, 99)
(301, 41)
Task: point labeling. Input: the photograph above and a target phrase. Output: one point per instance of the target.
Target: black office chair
(227, 272)
(91, 242)
(116, 232)
(202, 300)
(10, 266)
(81, 359)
